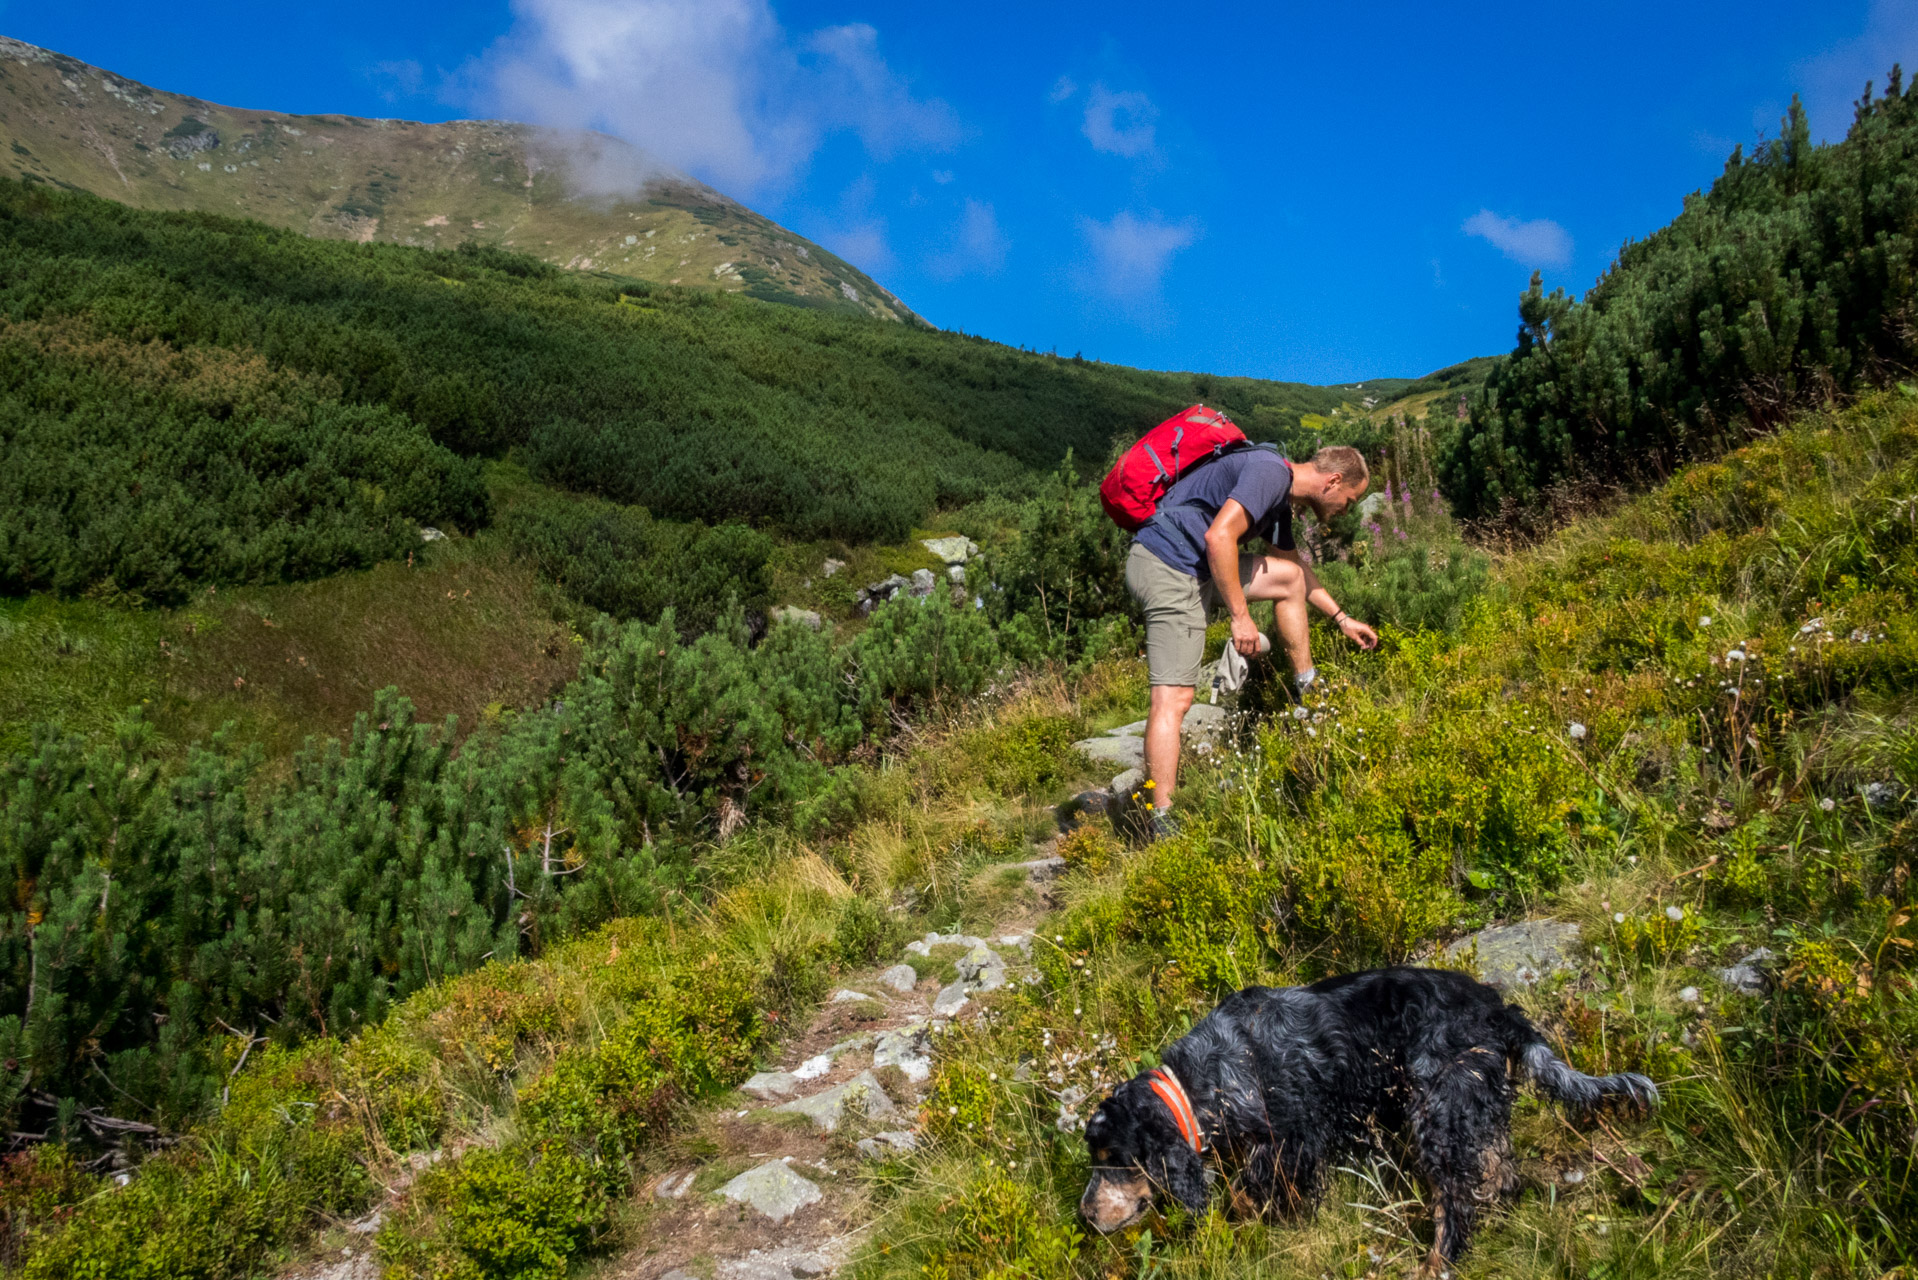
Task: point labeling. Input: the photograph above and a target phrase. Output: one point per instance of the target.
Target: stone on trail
(981, 969)
(909, 1048)
(860, 1095)
(1134, 730)
(429, 534)
(773, 1190)
(674, 1186)
(771, 1084)
(1128, 752)
(832, 566)
(1519, 955)
(1040, 870)
(901, 977)
(950, 1001)
(1088, 805)
(924, 946)
(1122, 786)
(892, 1143)
(845, 996)
(1748, 975)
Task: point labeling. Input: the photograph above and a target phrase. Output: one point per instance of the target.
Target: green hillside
(583, 201)
(1684, 729)
(188, 347)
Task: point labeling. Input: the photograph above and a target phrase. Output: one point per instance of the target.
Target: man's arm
(1222, 553)
(1319, 598)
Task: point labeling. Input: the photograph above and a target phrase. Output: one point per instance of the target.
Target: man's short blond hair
(1344, 461)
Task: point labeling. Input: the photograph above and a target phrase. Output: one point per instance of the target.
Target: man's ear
(1182, 1174)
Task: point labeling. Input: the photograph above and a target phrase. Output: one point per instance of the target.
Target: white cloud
(942, 176)
(1062, 88)
(1540, 243)
(1833, 80)
(977, 245)
(1130, 254)
(1119, 124)
(715, 88)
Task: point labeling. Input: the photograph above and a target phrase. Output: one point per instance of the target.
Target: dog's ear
(1182, 1174)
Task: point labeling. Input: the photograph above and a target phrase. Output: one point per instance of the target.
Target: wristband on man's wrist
(1339, 617)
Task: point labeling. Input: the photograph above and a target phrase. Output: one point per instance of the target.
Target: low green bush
(519, 1212)
(621, 561)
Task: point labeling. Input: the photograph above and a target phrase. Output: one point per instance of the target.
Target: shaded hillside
(200, 399)
(584, 201)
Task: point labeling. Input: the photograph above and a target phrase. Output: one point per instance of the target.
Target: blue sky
(1304, 191)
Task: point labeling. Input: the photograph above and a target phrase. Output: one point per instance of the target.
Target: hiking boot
(1163, 824)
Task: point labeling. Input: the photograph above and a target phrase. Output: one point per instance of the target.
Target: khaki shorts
(1176, 608)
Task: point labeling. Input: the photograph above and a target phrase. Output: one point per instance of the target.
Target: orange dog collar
(1172, 1093)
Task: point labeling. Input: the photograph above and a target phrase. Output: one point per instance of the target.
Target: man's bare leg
(1282, 582)
(1170, 702)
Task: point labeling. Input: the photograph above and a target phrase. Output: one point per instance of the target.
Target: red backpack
(1133, 488)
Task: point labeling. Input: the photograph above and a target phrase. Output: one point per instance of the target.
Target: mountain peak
(584, 201)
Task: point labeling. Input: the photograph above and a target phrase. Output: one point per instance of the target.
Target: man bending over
(1185, 562)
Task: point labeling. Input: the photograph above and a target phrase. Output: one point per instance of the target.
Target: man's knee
(1174, 698)
(1275, 578)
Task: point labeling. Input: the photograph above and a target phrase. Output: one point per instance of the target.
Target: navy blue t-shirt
(1258, 479)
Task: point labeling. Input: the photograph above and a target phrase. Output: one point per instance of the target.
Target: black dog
(1275, 1081)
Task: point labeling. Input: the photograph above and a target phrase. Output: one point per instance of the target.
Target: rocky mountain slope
(583, 201)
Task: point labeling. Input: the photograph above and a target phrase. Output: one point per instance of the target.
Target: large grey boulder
(861, 1095)
(772, 1189)
(922, 583)
(901, 977)
(1520, 955)
(1126, 752)
(953, 550)
(1204, 720)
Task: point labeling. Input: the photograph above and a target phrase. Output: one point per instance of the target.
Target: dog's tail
(1556, 1078)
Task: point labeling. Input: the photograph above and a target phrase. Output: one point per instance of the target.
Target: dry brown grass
(461, 630)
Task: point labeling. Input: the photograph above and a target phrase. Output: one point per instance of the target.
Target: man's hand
(1245, 636)
(1355, 631)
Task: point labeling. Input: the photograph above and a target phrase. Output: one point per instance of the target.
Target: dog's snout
(1112, 1204)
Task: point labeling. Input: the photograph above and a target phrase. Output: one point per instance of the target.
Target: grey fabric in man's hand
(1233, 668)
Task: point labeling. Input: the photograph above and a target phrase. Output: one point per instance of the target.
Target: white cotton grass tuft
(1576, 730)
(1705, 621)
(1675, 914)
(1828, 804)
